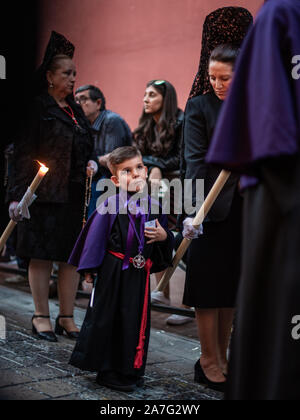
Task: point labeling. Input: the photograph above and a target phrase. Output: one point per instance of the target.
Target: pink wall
(122, 44)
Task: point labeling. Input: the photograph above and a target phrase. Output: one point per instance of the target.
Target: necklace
(87, 198)
(139, 260)
(71, 114)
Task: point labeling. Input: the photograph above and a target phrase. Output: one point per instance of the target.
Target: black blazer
(201, 116)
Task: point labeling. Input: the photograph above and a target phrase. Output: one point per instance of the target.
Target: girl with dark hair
(158, 138)
(158, 133)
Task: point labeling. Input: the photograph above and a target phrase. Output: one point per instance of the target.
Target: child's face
(131, 175)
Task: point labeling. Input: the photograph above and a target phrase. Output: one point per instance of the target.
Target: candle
(26, 200)
(39, 176)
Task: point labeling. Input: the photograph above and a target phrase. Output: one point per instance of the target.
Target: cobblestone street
(36, 370)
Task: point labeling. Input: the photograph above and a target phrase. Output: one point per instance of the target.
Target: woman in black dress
(57, 135)
(213, 259)
(212, 273)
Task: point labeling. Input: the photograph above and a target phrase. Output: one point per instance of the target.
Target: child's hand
(157, 234)
(88, 278)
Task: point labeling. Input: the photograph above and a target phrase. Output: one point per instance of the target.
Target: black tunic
(213, 260)
(110, 331)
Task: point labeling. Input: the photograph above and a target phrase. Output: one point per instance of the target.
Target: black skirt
(213, 262)
(51, 232)
(265, 350)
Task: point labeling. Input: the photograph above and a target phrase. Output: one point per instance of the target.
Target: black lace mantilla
(227, 25)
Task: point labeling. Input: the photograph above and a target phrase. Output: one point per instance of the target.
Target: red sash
(138, 361)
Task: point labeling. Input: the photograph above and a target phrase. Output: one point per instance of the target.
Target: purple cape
(260, 116)
(91, 245)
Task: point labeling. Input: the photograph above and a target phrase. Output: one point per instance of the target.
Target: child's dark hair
(225, 53)
(121, 154)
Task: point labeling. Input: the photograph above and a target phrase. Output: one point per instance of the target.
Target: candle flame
(43, 168)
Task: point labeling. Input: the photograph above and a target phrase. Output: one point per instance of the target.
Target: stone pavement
(32, 369)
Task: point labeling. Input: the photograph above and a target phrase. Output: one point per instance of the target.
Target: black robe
(110, 332)
(265, 362)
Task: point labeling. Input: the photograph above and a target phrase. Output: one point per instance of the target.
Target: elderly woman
(159, 131)
(57, 135)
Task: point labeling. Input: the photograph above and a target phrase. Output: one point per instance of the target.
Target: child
(117, 246)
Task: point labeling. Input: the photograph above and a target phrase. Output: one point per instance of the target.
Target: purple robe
(260, 117)
(110, 335)
(90, 247)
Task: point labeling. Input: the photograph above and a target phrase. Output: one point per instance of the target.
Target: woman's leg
(68, 280)
(225, 324)
(207, 323)
(39, 272)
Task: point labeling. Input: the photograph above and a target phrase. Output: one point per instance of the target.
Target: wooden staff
(202, 213)
(27, 197)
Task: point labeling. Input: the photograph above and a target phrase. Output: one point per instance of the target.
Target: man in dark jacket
(109, 129)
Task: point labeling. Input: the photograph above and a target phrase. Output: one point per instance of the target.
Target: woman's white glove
(189, 232)
(92, 168)
(14, 212)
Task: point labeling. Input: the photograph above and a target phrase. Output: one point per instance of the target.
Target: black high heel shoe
(43, 335)
(60, 330)
(201, 378)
